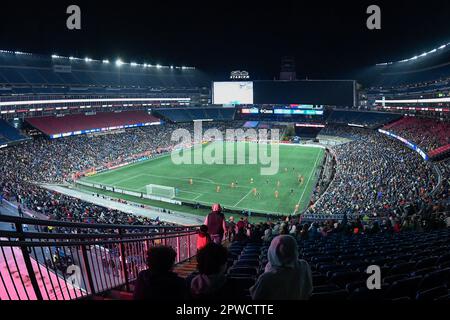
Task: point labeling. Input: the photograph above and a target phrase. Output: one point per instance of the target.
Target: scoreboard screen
(310, 92)
(233, 93)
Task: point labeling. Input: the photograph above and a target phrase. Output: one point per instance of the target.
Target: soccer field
(213, 183)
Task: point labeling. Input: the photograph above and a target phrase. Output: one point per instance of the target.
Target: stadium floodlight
(442, 47)
(119, 62)
(87, 59)
(158, 66)
(71, 58)
(54, 56)
(133, 64)
(106, 61)
(171, 67)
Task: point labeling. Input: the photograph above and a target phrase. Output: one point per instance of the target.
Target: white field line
(243, 198)
(206, 181)
(309, 179)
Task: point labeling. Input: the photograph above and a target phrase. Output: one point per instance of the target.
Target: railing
(52, 260)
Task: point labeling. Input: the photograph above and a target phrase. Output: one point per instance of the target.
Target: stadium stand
(189, 115)
(432, 135)
(367, 119)
(22, 71)
(9, 134)
(415, 264)
(400, 228)
(58, 125)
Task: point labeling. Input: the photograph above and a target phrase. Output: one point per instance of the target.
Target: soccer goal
(161, 191)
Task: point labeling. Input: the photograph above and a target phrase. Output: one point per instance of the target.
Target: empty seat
(343, 278)
(352, 286)
(319, 280)
(330, 296)
(442, 259)
(246, 263)
(435, 279)
(326, 288)
(427, 262)
(364, 294)
(391, 279)
(250, 271)
(403, 288)
(431, 294)
(402, 268)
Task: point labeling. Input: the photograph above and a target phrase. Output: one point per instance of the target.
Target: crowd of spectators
(375, 175)
(23, 167)
(427, 133)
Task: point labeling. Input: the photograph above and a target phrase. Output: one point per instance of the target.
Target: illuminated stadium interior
(189, 174)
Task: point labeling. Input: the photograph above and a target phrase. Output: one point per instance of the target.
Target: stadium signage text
(239, 75)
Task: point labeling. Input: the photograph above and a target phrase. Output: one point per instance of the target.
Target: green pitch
(213, 183)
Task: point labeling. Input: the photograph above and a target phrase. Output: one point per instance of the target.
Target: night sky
(328, 38)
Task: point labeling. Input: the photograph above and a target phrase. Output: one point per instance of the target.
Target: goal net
(160, 191)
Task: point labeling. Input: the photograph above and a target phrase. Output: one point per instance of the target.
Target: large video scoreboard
(341, 93)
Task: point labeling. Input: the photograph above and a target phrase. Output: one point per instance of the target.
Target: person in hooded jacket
(285, 277)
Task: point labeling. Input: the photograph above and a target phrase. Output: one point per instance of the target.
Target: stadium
(122, 180)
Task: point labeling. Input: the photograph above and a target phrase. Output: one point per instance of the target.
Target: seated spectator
(211, 282)
(241, 236)
(203, 237)
(159, 282)
(267, 235)
(285, 277)
(304, 234)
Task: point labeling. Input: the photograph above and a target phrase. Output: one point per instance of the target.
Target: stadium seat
(342, 278)
(247, 271)
(434, 279)
(431, 294)
(330, 296)
(403, 288)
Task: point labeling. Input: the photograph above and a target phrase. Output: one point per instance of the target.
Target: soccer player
(276, 194)
(251, 180)
(232, 185)
(278, 183)
(191, 182)
(255, 192)
(218, 189)
(292, 192)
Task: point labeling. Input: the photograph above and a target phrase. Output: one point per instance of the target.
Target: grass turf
(298, 160)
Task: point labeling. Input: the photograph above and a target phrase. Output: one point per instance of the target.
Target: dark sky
(327, 38)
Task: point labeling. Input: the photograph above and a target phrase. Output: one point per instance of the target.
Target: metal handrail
(37, 265)
(55, 223)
